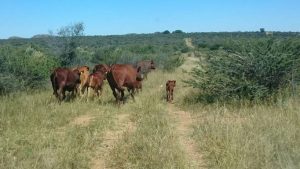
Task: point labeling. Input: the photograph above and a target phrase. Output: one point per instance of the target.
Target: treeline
(26, 63)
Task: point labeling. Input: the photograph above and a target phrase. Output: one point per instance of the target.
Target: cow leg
(101, 90)
(63, 95)
(82, 89)
(115, 94)
(167, 95)
(60, 94)
(97, 91)
(54, 86)
(122, 96)
(132, 93)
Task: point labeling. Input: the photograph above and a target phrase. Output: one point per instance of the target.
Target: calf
(170, 85)
(123, 75)
(64, 79)
(95, 82)
(84, 75)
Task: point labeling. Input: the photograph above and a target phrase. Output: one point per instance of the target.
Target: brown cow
(123, 75)
(146, 66)
(84, 75)
(101, 67)
(170, 85)
(64, 79)
(95, 81)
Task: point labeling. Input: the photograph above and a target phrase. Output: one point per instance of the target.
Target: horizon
(148, 33)
(26, 19)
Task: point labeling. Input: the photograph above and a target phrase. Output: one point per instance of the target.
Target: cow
(84, 75)
(95, 81)
(170, 85)
(146, 66)
(101, 67)
(121, 76)
(64, 79)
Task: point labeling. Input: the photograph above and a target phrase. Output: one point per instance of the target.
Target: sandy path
(110, 138)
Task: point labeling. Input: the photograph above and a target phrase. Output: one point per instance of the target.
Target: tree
(166, 32)
(178, 31)
(262, 30)
(69, 34)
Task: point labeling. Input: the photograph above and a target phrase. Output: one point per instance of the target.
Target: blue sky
(26, 18)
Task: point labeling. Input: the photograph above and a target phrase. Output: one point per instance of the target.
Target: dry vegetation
(37, 132)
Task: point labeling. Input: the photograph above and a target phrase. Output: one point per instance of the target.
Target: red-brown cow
(101, 67)
(95, 81)
(170, 85)
(146, 66)
(123, 75)
(64, 79)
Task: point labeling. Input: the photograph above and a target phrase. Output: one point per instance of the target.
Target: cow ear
(139, 69)
(88, 68)
(174, 81)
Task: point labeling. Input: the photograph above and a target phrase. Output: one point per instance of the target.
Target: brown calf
(95, 82)
(84, 75)
(170, 85)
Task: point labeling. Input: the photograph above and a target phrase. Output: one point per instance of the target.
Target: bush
(172, 62)
(258, 70)
(24, 67)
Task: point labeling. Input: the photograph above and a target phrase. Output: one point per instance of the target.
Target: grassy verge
(259, 136)
(37, 132)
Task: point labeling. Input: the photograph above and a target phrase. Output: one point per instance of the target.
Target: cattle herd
(119, 76)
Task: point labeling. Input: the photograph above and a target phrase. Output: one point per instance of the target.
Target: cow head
(83, 69)
(171, 84)
(101, 68)
(139, 76)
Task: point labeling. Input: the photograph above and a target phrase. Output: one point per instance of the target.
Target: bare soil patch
(110, 138)
(83, 120)
(184, 131)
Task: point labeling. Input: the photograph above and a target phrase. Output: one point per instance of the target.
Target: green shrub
(24, 67)
(257, 70)
(172, 62)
